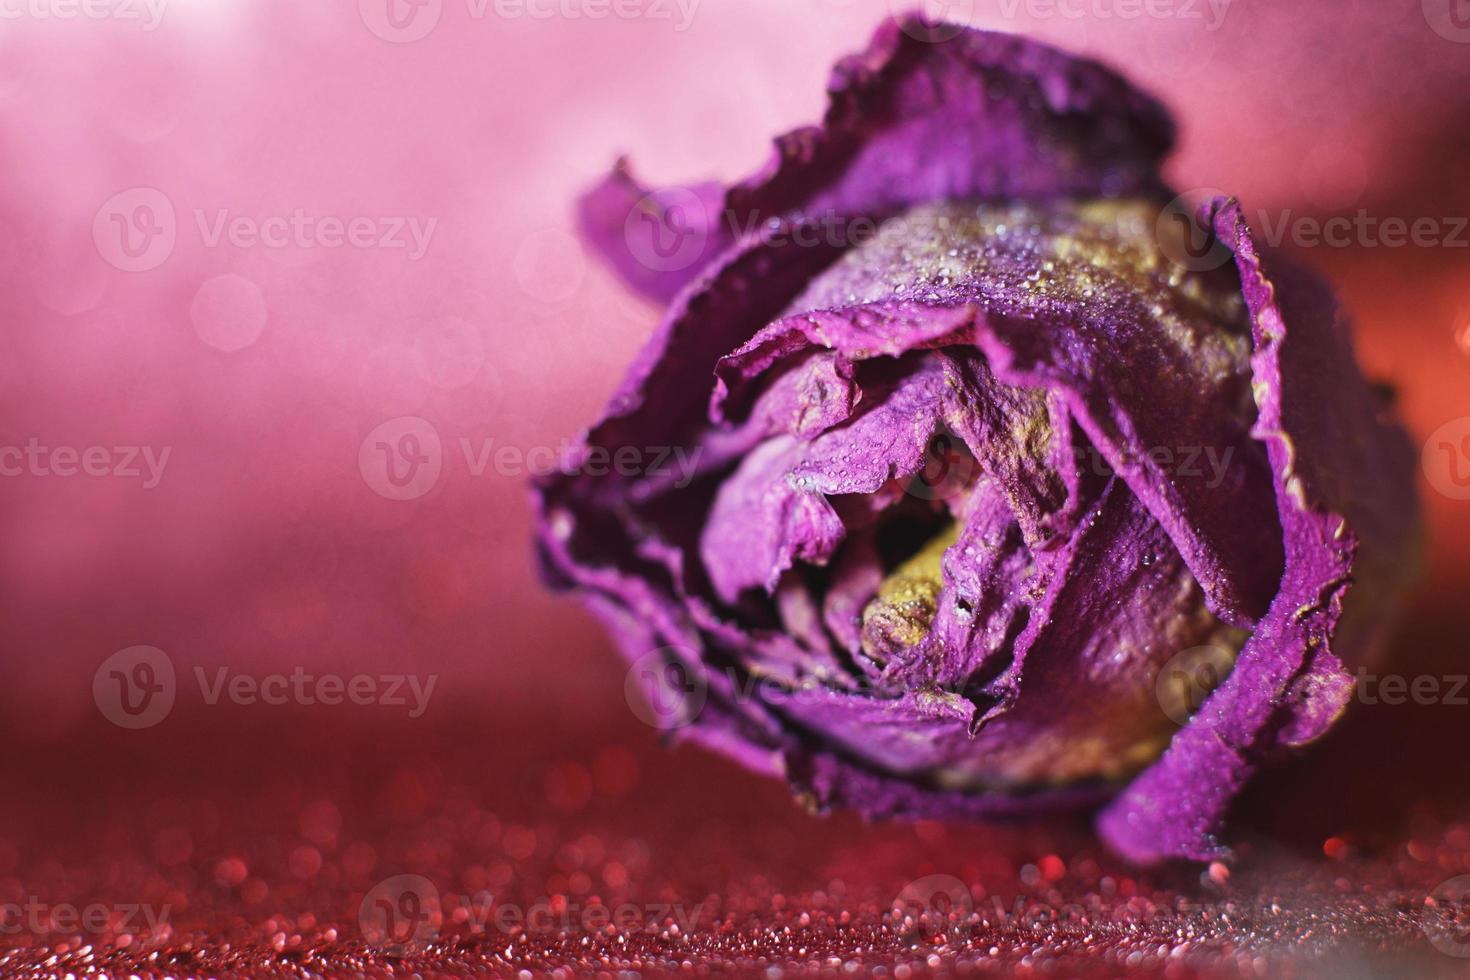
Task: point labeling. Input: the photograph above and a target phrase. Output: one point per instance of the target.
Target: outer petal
(1344, 494)
(656, 240)
(984, 115)
(656, 405)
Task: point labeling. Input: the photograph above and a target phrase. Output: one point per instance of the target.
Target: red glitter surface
(253, 840)
(528, 821)
(254, 836)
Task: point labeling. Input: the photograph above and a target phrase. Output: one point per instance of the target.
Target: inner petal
(900, 615)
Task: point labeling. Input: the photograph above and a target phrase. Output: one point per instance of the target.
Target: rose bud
(986, 435)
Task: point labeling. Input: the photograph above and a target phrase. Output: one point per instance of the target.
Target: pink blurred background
(262, 369)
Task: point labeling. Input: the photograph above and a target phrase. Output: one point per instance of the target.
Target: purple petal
(657, 241)
(774, 509)
(1341, 498)
(1144, 365)
(984, 115)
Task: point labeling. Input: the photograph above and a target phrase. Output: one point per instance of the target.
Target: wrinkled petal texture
(973, 457)
(1344, 496)
(980, 115)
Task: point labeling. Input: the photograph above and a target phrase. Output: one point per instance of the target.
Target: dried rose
(986, 438)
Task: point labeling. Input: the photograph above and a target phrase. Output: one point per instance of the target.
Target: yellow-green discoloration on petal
(903, 610)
